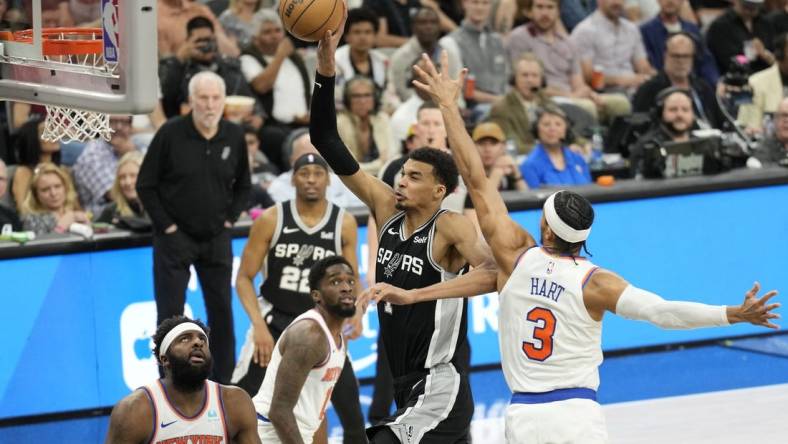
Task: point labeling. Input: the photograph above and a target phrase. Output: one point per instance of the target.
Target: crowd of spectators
(548, 83)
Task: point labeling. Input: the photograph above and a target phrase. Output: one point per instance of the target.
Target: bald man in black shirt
(194, 183)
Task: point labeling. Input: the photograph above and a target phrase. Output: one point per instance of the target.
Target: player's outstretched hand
(263, 346)
(389, 293)
(756, 310)
(442, 89)
(327, 47)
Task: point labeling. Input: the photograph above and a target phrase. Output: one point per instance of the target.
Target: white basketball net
(69, 125)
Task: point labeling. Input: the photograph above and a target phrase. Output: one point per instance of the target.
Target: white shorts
(268, 434)
(559, 422)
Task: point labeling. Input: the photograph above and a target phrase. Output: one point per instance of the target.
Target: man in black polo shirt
(194, 183)
(742, 29)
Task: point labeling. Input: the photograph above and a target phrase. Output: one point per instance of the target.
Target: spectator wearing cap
(742, 29)
(552, 162)
(657, 31)
(613, 44)
(499, 166)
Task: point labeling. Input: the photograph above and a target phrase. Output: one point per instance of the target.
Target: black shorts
(434, 407)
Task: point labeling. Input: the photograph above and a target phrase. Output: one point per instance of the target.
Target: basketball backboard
(120, 75)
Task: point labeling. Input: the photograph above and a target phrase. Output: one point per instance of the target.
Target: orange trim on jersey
(221, 409)
(178, 413)
(155, 430)
(561, 256)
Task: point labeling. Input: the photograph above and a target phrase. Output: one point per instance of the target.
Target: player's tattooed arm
(303, 347)
(505, 236)
(130, 422)
(241, 416)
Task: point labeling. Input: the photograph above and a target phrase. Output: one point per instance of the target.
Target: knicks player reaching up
(285, 242)
(552, 301)
(419, 245)
(308, 359)
(184, 406)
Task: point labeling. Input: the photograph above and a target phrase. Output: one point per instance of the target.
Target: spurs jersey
(418, 336)
(172, 427)
(315, 393)
(294, 249)
(547, 338)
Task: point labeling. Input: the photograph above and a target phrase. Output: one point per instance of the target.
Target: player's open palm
(263, 346)
(443, 89)
(758, 311)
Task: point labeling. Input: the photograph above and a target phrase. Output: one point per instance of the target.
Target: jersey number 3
(543, 333)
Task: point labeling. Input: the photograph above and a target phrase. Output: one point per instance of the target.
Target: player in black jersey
(285, 242)
(419, 245)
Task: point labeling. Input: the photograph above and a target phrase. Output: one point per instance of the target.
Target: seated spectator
(499, 166)
(261, 170)
(172, 17)
(552, 162)
(482, 52)
(406, 114)
(278, 76)
(125, 202)
(742, 29)
(357, 57)
(85, 12)
(51, 204)
(396, 19)
(282, 189)
(198, 53)
(575, 11)
(8, 215)
(679, 58)
(773, 149)
(769, 87)
(544, 38)
(94, 171)
(30, 151)
(237, 20)
(656, 32)
(674, 121)
(363, 126)
(426, 33)
(612, 44)
(516, 111)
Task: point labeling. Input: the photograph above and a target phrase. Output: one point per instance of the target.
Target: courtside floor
(724, 392)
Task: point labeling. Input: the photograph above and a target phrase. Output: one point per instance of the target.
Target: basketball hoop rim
(61, 42)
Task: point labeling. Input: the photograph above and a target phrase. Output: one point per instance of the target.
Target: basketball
(308, 20)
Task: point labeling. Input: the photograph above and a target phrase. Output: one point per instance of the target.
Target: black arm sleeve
(323, 128)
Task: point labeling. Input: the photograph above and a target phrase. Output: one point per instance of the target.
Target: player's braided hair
(577, 212)
(167, 325)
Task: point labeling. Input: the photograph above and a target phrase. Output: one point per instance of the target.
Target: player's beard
(189, 377)
(338, 310)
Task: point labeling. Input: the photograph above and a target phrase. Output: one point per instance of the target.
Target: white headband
(559, 227)
(177, 331)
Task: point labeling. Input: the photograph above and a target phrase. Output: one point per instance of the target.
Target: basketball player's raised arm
(606, 291)
(251, 262)
(303, 347)
(505, 236)
(241, 415)
(378, 196)
(131, 419)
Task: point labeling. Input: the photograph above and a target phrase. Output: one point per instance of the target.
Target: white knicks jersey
(315, 393)
(208, 426)
(547, 338)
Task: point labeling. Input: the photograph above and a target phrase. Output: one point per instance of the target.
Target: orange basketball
(309, 20)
